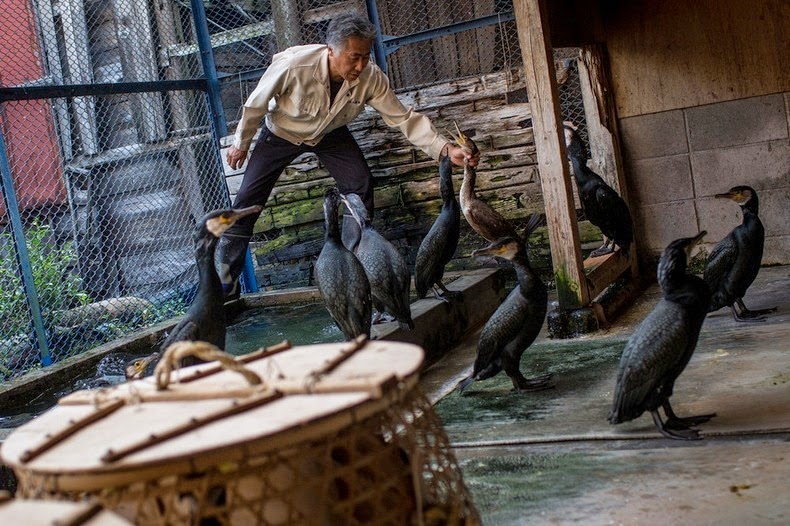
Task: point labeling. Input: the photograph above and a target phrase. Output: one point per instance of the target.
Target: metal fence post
(23, 258)
(248, 281)
(378, 46)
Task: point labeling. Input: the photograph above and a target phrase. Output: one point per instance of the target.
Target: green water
(266, 326)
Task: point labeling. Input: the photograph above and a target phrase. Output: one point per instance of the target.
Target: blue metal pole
(248, 281)
(22, 256)
(378, 44)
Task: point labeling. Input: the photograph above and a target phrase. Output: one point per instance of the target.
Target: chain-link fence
(109, 140)
(106, 169)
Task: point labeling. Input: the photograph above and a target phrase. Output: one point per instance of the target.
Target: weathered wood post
(534, 37)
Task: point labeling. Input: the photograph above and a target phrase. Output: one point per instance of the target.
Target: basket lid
(212, 415)
(49, 512)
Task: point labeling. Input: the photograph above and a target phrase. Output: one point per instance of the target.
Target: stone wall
(677, 160)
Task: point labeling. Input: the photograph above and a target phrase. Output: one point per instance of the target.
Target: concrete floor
(552, 458)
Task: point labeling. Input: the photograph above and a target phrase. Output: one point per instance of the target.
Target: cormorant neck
(671, 271)
(522, 266)
(751, 207)
(207, 273)
(446, 185)
(332, 227)
(580, 170)
(468, 184)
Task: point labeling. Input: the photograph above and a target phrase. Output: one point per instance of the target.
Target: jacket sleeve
(257, 104)
(417, 128)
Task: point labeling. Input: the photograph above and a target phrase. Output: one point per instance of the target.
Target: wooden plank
(534, 37)
(328, 12)
(602, 271)
(680, 54)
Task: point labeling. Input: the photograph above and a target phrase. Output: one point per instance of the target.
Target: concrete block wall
(675, 162)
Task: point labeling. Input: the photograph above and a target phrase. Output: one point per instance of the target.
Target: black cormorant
(516, 323)
(340, 277)
(205, 318)
(662, 345)
(481, 217)
(735, 260)
(439, 244)
(603, 207)
(387, 270)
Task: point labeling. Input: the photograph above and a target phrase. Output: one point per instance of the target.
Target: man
(307, 95)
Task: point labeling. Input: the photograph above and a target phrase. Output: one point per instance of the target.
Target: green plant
(56, 287)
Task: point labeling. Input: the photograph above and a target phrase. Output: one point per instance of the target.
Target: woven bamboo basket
(52, 513)
(328, 434)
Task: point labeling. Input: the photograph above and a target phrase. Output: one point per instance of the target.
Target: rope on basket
(206, 352)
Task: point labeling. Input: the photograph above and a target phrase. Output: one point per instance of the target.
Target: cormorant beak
(460, 138)
(217, 225)
(237, 214)
(500, 248)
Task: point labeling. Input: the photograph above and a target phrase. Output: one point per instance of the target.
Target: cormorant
(439, 244)
(603, 207)
(340, 277)
(735, 260)
(662, 345)
(387, 270)
(481, 217)
(516, 323)
(205, 318)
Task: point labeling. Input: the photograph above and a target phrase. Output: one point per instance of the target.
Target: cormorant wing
(652, 354)
(502, 328)
(611, 202)
(720, 262)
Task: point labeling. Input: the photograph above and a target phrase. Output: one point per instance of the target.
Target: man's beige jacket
(293, 94)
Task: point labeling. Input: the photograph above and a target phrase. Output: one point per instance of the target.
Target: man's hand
(236, 157)
(458, 156)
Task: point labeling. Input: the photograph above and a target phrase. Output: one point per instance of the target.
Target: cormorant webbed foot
(675, 434)
(537, 383)
(747, 314)
(445, 295)
(602, 250)
(676, 422)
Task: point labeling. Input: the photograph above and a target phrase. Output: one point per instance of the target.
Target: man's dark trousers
(337, 151)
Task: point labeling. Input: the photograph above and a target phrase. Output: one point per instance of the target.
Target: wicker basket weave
(336, 434)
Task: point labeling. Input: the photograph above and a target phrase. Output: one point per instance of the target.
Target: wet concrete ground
(551, 457)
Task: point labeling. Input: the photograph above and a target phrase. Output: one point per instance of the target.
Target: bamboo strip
(75, 425)
(236, 407)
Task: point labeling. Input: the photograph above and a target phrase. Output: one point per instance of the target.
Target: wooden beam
(535, 40)
(602, 271)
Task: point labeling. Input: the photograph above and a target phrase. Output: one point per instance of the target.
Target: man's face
(349, 63)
